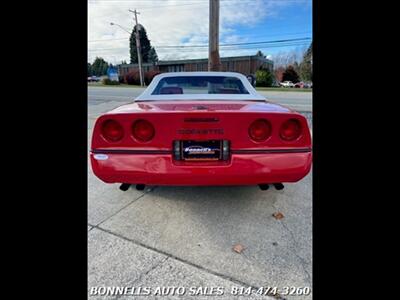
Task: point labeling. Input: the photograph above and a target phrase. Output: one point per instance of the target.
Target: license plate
(201, 150)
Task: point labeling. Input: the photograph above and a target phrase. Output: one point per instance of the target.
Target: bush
(121, 79)
(264, 78)
(148, 76)
(290, 74)
(108, 81)
(132, 77)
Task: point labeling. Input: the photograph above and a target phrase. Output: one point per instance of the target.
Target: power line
(107, 40)
(259, 36)
(235, 44)
(224, 49)
(221, 45)
(245, 48)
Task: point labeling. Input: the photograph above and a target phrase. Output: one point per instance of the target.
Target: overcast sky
(185, 22)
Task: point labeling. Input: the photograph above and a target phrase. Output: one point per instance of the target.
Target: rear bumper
(242, 169)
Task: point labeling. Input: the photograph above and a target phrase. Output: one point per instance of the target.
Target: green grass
(283, 89)
(99, 84)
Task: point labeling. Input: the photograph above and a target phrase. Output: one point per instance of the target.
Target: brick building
(241, 64)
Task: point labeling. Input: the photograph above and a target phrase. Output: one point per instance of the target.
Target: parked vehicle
(300, 85)
(287, 84)
(93, 79)
(201, 128)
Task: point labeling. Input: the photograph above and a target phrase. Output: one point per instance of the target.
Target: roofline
(202, 60)
(131, 65)
(245, 57)
(197, 73)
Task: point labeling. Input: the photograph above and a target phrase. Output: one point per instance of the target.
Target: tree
(145, 46)
(153, 57)
(264, 77)
(89, 69)
(305, 68)
(296, 67)
(290, 74)
(278, 72)
(259, 53)
(99, 67)
(284, 59)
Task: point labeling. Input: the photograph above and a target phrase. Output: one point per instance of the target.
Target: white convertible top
(253, 95)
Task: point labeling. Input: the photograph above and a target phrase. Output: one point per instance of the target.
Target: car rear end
(201, 143)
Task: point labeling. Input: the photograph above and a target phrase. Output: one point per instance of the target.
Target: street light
(120, 27)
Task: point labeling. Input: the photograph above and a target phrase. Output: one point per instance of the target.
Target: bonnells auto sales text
(194, 291)
(156, 291)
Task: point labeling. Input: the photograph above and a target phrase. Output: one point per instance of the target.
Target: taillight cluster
(290, 130)
(112, 131)
(142, 131)
(261, 129)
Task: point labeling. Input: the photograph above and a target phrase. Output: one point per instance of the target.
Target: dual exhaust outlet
(279, 186)
(125, 186)
(140, 187)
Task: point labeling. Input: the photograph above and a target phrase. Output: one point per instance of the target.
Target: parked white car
(93, 79)
(286, 84)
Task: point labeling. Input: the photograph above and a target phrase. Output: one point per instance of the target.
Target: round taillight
(112, 131)
(260, 130)
(290, 130)
(143, 130)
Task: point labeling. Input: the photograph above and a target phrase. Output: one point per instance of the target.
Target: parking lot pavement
(115, 261)
(300, 101)
(184, 235)
(197, 227)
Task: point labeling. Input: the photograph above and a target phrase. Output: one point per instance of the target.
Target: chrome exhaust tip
(279, 186)
(264, 187)
(124, 187)
(140, 187)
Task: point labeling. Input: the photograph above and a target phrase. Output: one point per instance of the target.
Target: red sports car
(201, 128)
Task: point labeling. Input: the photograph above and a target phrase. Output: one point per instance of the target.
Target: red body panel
(131, 161)
(243, 169)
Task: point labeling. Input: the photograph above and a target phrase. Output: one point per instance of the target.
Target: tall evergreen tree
(153, 57)
(305, 68)
(145, 46)
(89, 69)
(99, 67)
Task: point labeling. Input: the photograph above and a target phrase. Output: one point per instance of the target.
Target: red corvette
(201, 128)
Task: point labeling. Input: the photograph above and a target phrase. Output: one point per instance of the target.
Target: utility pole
(138, 48)
(214, 63)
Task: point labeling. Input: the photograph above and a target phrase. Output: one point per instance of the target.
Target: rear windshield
(200, 85)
